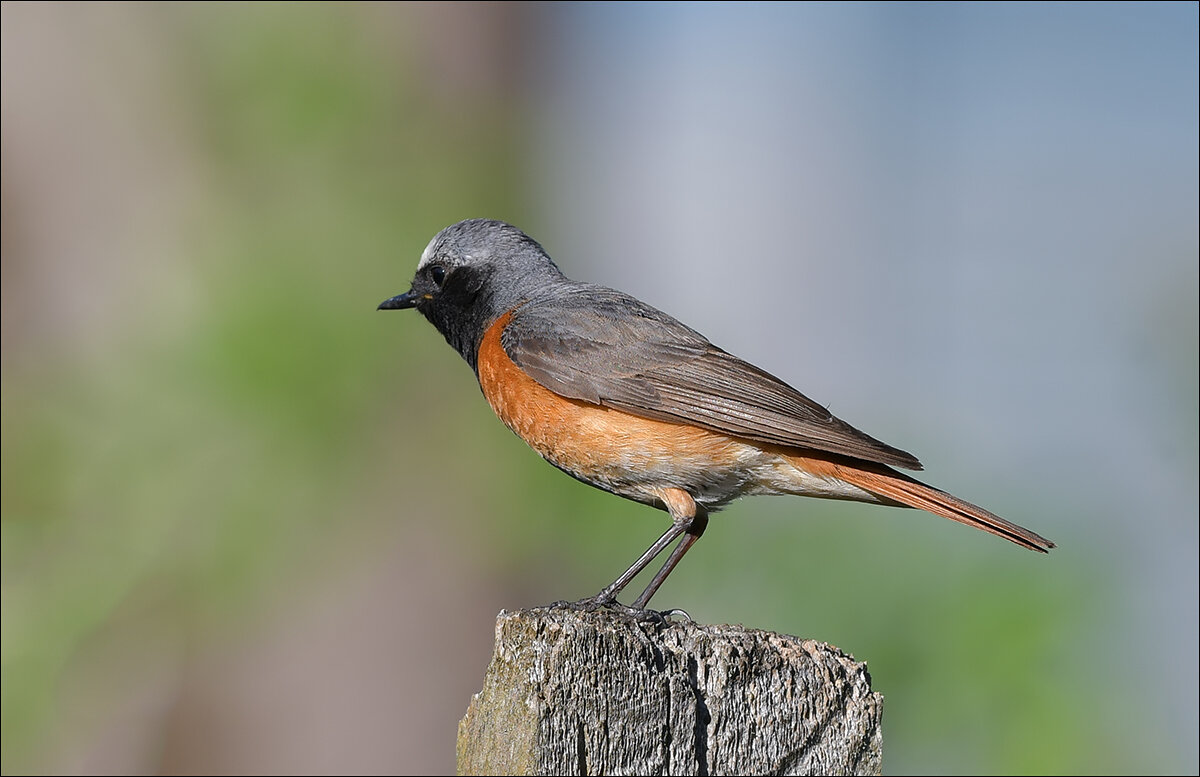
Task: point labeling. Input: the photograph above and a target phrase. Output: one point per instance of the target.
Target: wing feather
(602, 346)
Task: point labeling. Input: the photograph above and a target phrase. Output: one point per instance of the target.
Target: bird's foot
(602, 602)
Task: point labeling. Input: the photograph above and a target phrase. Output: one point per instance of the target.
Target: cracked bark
(599, 693)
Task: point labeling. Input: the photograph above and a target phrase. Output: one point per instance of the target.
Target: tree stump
(571, 692)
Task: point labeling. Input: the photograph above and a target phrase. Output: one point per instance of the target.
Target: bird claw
(598, 602)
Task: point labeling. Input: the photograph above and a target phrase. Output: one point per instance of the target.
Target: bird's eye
(438, 273)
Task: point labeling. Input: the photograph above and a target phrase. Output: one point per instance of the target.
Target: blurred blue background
(252, 525)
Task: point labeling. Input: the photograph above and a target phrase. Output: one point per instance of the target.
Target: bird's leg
(608, 596)
(692, 531)
(687, 519)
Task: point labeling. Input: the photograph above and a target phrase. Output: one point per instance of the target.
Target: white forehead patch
(427, 254)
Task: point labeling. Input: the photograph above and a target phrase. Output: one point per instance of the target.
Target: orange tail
(898, 487)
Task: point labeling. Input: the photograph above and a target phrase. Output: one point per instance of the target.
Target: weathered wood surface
(571, 692)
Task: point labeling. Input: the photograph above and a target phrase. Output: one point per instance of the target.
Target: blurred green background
(252, 525)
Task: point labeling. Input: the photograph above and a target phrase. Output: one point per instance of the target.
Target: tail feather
(886, 482)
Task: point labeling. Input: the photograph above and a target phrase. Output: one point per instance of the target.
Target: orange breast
(633, 456)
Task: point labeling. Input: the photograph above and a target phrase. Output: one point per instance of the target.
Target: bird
(626, 398)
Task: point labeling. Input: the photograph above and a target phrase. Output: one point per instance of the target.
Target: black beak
(408, 299)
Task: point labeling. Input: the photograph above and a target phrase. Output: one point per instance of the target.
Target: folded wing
(602, 346)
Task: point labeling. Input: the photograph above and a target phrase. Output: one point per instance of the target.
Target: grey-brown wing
(602, 346)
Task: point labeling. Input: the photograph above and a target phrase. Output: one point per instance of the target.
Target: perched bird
(625, 398)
